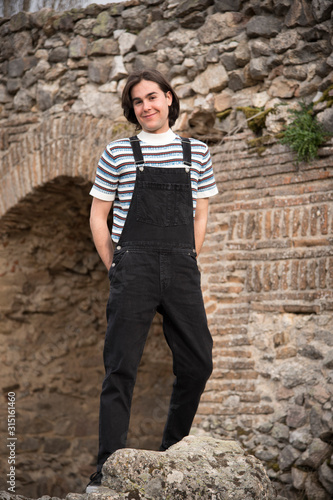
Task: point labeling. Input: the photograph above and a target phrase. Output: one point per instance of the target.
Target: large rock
(16, 67)
(196, 467)
(219, 26)
(46, 94)
(96, 103)
(326, 119)
(84, 27)
(299, 14)
(227, 5)
(20, 21)
(265, 26)
(98, 72)
(126, 42)
(148, 39)
(135, 18)
(103, 46)
(118, 70)
(285, 41)
(315, 455)
(78, 47)
(23, 101)
(326, 477)
(214, 78)
(105, 24)
(321, 10)
(188, 6)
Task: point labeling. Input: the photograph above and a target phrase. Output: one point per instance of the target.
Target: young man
(158, 187)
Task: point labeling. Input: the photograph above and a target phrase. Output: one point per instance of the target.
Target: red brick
(287, 180)
(258, 225)
(257, 277)
(233, 353)
(285, 223)
(322, 273)
(221, 385)
(276, 224)
(268, 225)
(240, 225)
(250, 225)
(231, 341)
(311, 242)
(285, 352)
(296, 222)
(330, 272)
(231, 330)
(303, 275)
(324, 219)
(250, 398)
(266, 277)
(311, 274)
(275, 276)
(303, 309)
(284, 276)
(294, 274)
(314, 220)
(305, 222)
(234, 375)
(322, 196)
(212, 397)
(266, 307)
(232, 224)
(239, 364)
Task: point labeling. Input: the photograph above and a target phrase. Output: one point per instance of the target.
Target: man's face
(151, 106)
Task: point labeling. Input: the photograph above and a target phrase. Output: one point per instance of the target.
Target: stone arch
(52, 145)
(53, 296)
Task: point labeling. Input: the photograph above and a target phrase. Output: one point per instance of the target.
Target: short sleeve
(106, 179)
(206, 183)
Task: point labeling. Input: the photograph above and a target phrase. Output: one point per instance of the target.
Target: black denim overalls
(155, 269)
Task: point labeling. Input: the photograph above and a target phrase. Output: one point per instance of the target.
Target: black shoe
(95, 482)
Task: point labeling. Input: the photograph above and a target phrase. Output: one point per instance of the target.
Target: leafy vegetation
(304, 134)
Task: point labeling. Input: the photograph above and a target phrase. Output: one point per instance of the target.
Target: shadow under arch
(53, 295)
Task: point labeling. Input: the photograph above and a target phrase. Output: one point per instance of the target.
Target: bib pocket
(164, 205)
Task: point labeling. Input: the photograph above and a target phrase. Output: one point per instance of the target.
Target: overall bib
(155, 269)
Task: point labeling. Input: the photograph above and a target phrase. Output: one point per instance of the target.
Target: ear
(169, 97)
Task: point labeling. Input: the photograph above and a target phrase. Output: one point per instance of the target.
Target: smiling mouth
(149, 116)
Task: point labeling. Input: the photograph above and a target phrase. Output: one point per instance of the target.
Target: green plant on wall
(304, 134)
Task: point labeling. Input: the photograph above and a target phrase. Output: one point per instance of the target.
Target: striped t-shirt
(116, 171)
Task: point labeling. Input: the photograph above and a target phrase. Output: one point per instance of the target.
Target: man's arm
(99, 227)
(200, 222)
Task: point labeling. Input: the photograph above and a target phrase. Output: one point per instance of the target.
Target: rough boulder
(197, 467)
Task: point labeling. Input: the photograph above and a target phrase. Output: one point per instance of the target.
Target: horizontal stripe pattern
(116, 173)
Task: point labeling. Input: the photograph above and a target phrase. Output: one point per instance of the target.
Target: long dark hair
(151, 75)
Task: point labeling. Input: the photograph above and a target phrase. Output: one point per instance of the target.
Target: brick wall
(268, 253)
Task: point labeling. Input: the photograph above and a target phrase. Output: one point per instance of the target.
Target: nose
(146, 105)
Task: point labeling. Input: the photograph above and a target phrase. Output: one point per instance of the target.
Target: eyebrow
(139, 98)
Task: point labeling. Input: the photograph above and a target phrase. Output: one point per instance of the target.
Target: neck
(157, 139)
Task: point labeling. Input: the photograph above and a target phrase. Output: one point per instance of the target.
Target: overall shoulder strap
(136, 148)
(186, 145)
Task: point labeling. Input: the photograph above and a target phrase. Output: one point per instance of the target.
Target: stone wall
(268, 281)
(267, 264)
